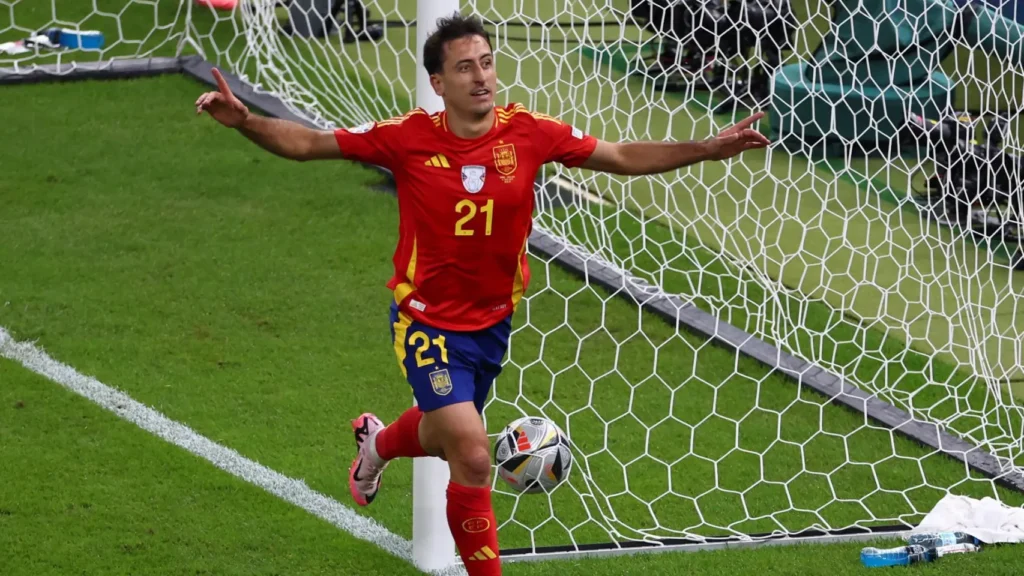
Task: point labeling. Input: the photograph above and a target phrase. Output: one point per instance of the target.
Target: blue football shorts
(446, 367)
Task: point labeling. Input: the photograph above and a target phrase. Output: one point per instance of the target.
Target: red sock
(471, 520)
(402, 437)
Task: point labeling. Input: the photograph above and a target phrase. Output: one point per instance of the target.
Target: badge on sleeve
(362, 128)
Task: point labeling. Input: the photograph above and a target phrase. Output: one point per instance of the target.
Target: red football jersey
(465, 207)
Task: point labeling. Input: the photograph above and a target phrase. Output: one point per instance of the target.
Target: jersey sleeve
(377, 143)
(566, 144)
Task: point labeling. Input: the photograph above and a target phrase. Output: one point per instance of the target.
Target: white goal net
(876, 241)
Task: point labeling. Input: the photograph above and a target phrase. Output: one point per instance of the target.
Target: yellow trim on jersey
(540, 116)
(401, 328)
(517, 284)
(402, 118)
(505, 116)
(404, 320)
(403, 290)
(410, 270)
(438, 161)
(516, 108)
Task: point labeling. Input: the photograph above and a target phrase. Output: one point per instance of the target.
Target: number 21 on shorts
(425, 356)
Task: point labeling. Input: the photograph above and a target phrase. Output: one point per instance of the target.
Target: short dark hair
(450, 28)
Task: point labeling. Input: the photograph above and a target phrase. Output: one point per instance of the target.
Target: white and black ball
(532, 455)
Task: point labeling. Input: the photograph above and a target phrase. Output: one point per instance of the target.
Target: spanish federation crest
(473, 178)
(505, 161)
(441, 382)
(505, 158)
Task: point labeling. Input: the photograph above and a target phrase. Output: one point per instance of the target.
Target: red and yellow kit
(465, 207)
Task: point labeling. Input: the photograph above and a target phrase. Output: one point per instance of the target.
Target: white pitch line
(288, 489)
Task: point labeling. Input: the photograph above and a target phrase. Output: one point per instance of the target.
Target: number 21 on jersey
(469, 210)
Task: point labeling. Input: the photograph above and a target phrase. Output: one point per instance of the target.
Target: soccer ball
(532, 455)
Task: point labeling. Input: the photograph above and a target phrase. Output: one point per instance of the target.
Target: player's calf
(460, 432)
(401, 439)
(376, 445)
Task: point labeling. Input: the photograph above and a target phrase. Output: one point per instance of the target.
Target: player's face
(468, 80)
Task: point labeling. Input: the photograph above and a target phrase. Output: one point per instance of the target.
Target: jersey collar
(443, 116)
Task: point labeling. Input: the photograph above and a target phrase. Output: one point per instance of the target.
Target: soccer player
(465, 181)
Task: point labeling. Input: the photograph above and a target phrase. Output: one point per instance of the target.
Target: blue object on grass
(82, 39)
(899, 556)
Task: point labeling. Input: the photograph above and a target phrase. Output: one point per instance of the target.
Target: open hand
(222, 105)
(738, 138)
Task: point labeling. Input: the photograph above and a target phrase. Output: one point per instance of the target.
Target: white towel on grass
(988, 520)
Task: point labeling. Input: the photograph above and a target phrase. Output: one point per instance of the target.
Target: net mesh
(867, 242)
(129, 29)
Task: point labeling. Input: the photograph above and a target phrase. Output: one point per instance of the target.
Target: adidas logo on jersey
(484, 553)
(438, 161)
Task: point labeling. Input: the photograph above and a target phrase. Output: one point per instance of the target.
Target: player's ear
(435, 82)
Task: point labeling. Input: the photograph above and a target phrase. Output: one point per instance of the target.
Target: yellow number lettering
(469, 207)
(489, 210)
(439, 342)
(421, 361)
(424, 342)
(471, 211)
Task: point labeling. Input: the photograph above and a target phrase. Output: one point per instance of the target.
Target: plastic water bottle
(939, 539)
(912, 554)
(956, 549)
(900, 556)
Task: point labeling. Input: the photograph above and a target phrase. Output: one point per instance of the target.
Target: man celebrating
(465, 180)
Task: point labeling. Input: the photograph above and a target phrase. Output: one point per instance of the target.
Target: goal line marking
(291, 490)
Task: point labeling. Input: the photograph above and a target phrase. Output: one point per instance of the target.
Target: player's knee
(472, 461)
(459, 434)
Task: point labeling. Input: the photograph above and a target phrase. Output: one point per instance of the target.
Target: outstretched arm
(281, 137)
(642, 158)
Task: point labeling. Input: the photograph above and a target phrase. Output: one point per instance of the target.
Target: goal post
(433, 546)
(809, 343)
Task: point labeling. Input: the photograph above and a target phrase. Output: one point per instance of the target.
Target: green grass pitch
(821, 244)
(227, 289)
(234, 292)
